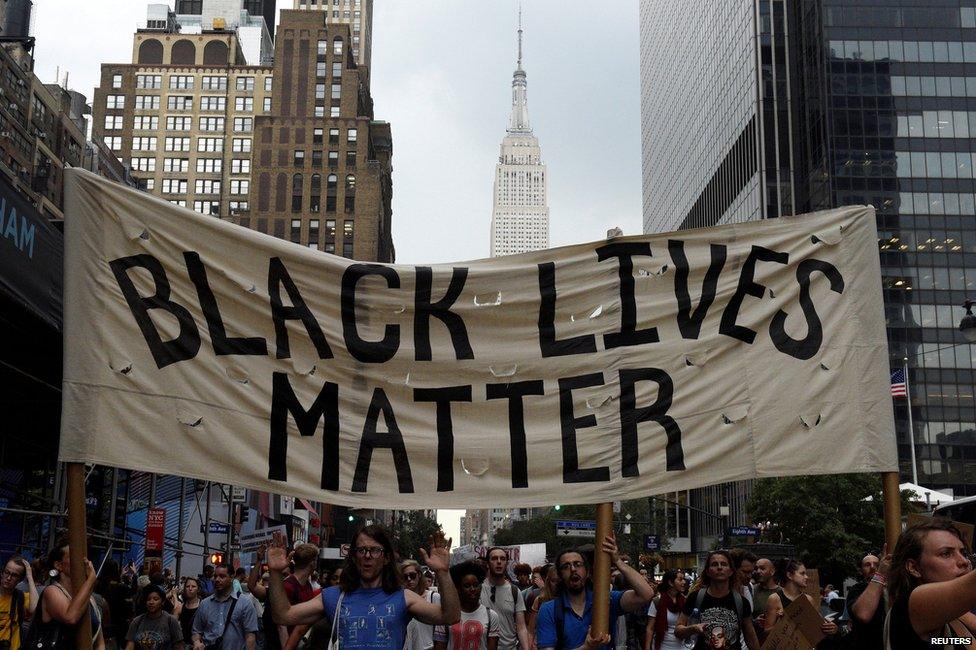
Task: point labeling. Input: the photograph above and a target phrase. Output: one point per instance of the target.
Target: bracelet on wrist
(879, 579)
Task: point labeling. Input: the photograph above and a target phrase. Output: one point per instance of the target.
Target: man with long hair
(718, 603)
(369, 608)
(564, 621)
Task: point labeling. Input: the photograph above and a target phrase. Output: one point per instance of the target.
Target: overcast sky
(442, 72)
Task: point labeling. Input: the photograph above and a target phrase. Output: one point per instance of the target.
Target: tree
(412, 529)
(828, 518)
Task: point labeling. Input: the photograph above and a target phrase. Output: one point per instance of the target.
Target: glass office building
(752, 109)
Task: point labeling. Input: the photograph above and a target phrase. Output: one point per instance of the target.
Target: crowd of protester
(924, 590)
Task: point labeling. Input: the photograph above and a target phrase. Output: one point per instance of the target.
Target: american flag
(899, 383)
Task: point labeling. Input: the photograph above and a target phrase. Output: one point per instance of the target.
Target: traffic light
(557, 508)
(216, 558)
(245, 514)
(352, 518)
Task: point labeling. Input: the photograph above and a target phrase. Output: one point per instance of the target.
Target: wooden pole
(892, 508)
(600, 623)
(78, 543)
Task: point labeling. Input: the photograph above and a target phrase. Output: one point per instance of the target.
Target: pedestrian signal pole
(600, 623)
(78, 545)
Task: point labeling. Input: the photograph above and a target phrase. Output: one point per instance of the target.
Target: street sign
(652, 542)
(743, 531)
(575, 529)
(217, 528)
(239, 494)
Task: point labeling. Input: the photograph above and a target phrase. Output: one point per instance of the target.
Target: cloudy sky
(442, 72)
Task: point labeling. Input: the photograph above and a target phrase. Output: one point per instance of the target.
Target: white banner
(582, 374)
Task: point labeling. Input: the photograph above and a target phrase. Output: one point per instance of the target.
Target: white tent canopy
(927, 495)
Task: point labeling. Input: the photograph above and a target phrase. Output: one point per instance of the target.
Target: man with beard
(369, 608)
(225, 617)
(503, 597)
(564, 622)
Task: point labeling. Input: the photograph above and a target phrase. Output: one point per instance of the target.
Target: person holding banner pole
(370, 608)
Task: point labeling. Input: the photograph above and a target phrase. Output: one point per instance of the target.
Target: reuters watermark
(947, 641)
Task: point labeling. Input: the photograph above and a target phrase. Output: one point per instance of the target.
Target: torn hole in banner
(475, 466)
(406, 380)
(735, 414)
(136, 232)
(698, 359)
(244, 283)
(122, 367)
(191, 420)
(769, 290)
(488, 299)
(236, 373)
(592, 313)
(399, 309)
(811, 420)
(598, 401)
(648, 271)
(303, 367)
(830, 360)
(830, 237)
(503, 371)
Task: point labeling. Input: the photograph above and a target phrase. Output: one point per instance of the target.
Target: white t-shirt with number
(471, 632)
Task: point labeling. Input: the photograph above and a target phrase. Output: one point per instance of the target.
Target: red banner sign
(155, 527)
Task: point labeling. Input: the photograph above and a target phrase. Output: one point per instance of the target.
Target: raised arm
(31, 590)
(66, 611)
(283, 612)
(932, 605)
(641, 591)
(448, 611)
(254, 577)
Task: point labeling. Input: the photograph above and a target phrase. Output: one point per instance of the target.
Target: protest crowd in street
(924, 589)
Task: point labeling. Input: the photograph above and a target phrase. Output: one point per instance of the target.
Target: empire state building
(520, 214)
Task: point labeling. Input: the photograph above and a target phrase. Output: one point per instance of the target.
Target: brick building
(322, 164)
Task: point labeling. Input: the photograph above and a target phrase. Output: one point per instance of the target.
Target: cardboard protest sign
(583, 374)
(813, 584)
(263, 537)
(798, 629)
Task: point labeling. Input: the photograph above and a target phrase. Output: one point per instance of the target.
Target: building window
(347, 238)
(330, 229)
(214, 83)
(113, 122)
(336, 91)
(147, 102)
(315, 203)
(299, 158)
(179, 202)
(174, 186)
(350, 194)
(317, 135)
(334, 111)
(116, 81)
(207, 207)
(333, 159)
(243, 124)
(267, 84)
(144, 164)
(333, 136)
(296, 230)
(242, 145)
(145, 122)
(316, 158)
(115, 101)
(336, 69)
(296, 192)
(351, 135)
(240, 166)
(179, 103)
(319, 110)
(337, 46)
(320, 69)
(144, 144)
(319, 91)
(150, 81)
(240, 186)
(245, 83)
(210, 144)
(211, 124)
(149, 184)
(239, 207)
(210, 165)
(207, 186)
(181, 82)
(351, 158)
(176, 165)
(179, 123)
(267, 104)
(313, 233)
(213, 103)
(323, 48)
(177, 144)
(245, 104)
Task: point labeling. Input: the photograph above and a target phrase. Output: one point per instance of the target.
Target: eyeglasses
(571, 565)
(369, 551)
(410, 576)
(11, 574)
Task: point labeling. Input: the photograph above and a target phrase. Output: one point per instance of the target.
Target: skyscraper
(753, 110)
(358, 14)
(520, 214)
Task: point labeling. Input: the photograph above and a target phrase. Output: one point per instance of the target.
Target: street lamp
(968, 323)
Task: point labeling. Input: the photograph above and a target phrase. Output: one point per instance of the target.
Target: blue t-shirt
(370, 618)
(574, 627)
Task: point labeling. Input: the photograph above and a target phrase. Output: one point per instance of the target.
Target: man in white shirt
(501, 596)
